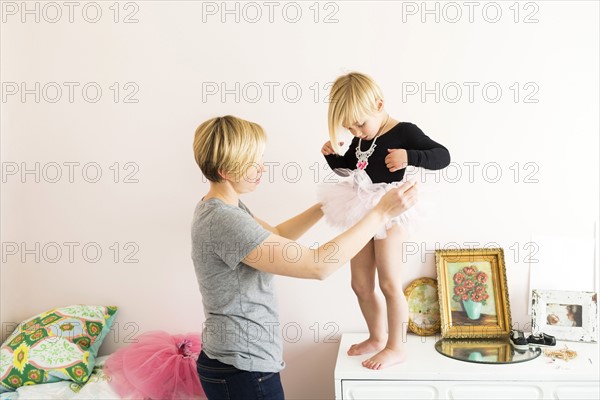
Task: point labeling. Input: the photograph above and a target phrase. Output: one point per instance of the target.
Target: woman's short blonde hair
(228, 145)
(353, 97)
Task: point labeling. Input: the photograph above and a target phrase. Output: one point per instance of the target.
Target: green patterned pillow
(60, 344)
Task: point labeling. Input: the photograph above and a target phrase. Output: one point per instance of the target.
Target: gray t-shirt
(242, 323)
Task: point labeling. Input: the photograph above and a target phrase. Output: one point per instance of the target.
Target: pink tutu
(158, 366)
(349, 200)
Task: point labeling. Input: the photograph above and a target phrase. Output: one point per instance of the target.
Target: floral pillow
(60, 344)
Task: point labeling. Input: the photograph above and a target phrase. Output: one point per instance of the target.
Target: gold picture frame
(423, 306)
(473, 293)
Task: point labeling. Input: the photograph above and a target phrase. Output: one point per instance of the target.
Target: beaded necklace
(363, 156)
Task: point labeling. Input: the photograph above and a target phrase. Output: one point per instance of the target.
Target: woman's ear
(224, 175)
(229, 176)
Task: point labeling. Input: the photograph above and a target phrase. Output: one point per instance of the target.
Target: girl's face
(369, 126)
(366, 129)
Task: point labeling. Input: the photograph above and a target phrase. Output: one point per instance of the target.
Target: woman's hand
(396, 159)
(398, 200)
(327, 148)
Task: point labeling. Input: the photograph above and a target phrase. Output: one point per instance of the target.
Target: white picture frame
(566, 315)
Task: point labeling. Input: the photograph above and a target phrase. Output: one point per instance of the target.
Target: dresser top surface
(423, 362)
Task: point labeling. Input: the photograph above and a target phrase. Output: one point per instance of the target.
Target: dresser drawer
(475, 390)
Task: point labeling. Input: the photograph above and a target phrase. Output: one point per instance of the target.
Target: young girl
(379, 153)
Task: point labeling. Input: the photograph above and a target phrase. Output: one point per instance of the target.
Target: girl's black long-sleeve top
(421, 150)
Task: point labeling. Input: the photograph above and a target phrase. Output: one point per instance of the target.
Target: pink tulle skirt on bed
(158, 366)
(346, 202)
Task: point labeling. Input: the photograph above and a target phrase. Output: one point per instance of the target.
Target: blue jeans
(226, 382)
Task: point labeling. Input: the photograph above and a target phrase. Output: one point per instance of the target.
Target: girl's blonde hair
(227, 145)
(353, 97)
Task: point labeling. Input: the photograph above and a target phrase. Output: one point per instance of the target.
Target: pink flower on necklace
(361, 165)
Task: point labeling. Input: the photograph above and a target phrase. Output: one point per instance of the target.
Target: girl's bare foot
(366, 347)
(385, 358)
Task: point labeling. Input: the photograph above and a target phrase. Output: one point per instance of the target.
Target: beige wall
(174, 63)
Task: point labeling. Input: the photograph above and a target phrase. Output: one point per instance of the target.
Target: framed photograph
(423, 306)
(473, 293)
(566, 315)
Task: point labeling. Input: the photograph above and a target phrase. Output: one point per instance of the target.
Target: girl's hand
(396, 159)
(398, 200)
(327, 148)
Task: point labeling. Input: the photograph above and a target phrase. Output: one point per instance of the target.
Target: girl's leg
(388, 258)
(363, 283)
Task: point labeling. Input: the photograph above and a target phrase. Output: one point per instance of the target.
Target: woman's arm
(281, 256)
(296, 226)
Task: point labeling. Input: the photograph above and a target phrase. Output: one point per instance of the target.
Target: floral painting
(473, 293)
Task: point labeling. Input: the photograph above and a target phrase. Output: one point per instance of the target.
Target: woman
(236, 255)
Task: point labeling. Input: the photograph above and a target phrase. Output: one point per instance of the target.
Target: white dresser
(426, 374)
